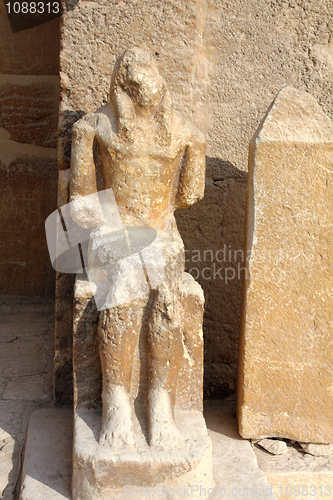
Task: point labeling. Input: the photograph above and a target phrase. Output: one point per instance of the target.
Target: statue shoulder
(91, 122)
(86, 124)
(187, 130)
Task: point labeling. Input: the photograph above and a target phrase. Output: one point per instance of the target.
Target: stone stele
(286, 355)
(137, 349)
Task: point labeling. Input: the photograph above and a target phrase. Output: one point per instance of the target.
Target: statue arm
(192, 176)
(85, 211)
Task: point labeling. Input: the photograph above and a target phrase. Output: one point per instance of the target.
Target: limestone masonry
(286, 356)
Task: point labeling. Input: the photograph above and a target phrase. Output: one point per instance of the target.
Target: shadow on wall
(22, 19)
(66, 121)
(28, 195)
(213, 232)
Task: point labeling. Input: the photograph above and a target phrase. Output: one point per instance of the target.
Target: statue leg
(118, 332)
(165, 351)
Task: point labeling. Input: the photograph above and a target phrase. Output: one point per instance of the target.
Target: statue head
(136, 83)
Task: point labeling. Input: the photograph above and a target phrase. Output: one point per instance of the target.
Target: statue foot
(163, 432)
(117, 428)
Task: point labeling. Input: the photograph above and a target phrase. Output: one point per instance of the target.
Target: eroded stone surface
(317, 450)
(144, 161)
(88, 377)
(286, 357)
(236, 471)
(273, 446)
(295, 472)
(236, 54)
(29, 109)
(100, 470)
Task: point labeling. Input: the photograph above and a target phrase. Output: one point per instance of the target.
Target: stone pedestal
(103, 474)
(99, 472)
(46, 471)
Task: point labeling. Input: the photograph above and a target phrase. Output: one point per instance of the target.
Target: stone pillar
(286, 356)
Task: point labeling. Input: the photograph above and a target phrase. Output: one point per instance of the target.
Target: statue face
(144, 84)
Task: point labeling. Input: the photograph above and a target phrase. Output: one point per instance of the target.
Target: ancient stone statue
(154, 161)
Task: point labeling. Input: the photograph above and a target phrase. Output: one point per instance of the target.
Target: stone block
(101, 473)
(236, 471)
(295, 475)
(18, 358)
(44, 475)
(29, 388)
(38, 312)
(285, 382)
(29, 108)
(87, 372)
(29, 185)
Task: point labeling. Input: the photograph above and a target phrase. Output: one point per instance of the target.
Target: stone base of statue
(101, 472)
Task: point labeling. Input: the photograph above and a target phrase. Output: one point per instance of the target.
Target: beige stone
(236, 470)
(240, 55)
(49, 436)
(297, 475)
(106, 474)
(29, 109)
(88, 377)
(26, 332)
(285, 381)
(29, 388)
(273, 446)
(317, 450)
(134, 161)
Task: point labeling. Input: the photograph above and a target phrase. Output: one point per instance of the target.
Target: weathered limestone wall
(223, 62)
(254, 48)
(29, 100)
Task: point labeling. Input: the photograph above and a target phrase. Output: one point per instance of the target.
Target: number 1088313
(304, 490)
(33, 8)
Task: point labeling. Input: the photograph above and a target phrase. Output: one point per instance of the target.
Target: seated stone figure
(154, 161)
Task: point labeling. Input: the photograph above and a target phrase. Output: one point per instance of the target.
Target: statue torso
(143, 175)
